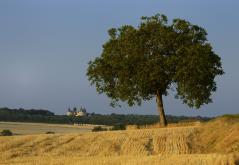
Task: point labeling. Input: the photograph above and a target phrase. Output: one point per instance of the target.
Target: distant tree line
(45, 116)
(26, 112)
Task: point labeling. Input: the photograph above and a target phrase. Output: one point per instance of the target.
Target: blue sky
(45, 47)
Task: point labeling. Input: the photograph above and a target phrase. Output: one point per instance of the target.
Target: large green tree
(140, 63)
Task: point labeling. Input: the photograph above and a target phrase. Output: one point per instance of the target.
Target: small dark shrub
(118, 127)
(6, 132)
(98, 128)
(50, 132)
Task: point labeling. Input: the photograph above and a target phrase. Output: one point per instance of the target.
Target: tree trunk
(159, 99)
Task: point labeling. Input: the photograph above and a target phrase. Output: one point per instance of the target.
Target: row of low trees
(22, 111)
(98, 119)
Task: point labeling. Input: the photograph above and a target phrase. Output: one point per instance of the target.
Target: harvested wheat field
(215, 142)
(19, 128)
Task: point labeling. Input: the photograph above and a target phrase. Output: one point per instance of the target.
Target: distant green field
(19, 128)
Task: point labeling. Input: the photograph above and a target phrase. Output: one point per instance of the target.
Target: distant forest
(45, 116)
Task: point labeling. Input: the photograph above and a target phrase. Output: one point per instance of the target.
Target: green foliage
(22, 111)
(98, 128)
(139, 63)
(118, 127)
(6, 132)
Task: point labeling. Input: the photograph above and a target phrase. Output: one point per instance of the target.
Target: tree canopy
(139, 63)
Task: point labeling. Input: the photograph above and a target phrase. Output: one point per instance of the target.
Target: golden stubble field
(19, 128)
(215, 142)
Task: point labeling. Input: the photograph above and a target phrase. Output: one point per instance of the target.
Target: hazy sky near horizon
(45, 47)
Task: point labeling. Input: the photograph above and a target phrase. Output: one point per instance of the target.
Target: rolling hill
(213, 142)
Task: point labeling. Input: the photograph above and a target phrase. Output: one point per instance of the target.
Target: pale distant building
(69, 113)
(76, 112)
(80, 113)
